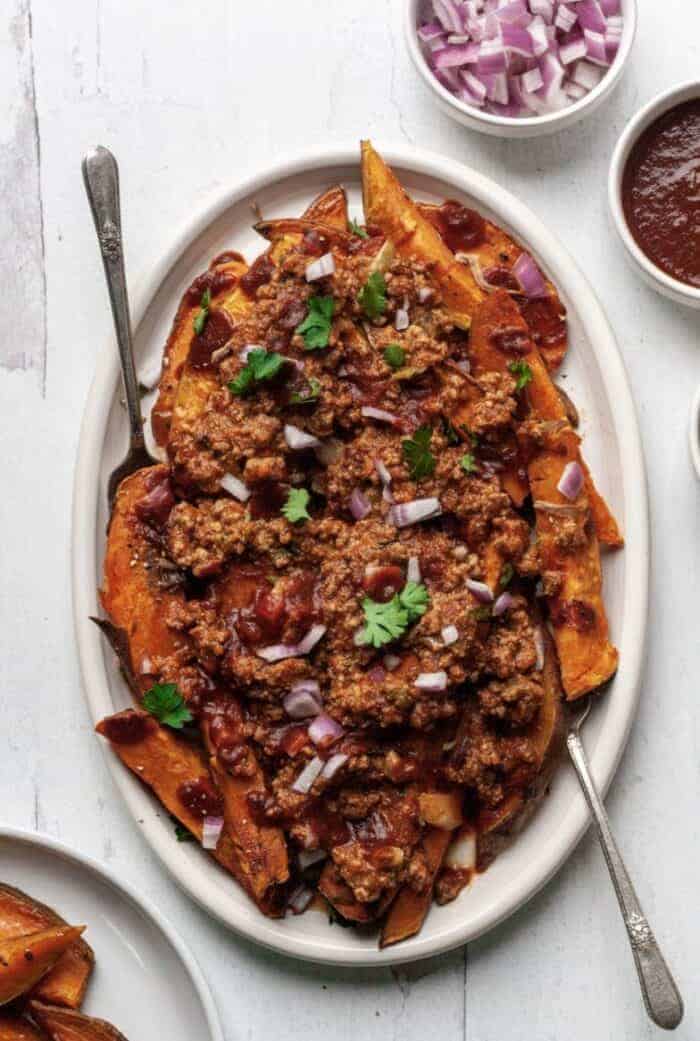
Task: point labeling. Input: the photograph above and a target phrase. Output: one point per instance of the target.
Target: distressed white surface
(189, 99)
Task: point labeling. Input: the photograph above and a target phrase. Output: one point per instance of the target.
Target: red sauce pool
(661, 192)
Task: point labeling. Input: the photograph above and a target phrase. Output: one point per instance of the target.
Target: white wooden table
(190, 97)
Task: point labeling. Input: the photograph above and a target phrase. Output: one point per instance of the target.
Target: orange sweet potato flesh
(24, 960)
(388, 208)
(407, 913)
(66, 982)
(16, 1027)
(587, 657)
(62, 1024)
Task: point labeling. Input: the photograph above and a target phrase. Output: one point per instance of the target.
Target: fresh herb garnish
(200, 319)
(387, 622)
(295, 507)
(311, 395)
(449, 431)
(166, 703)
(261, 365)
(372, 298)
(356, 229)
(522, 371)
(394, 355)
(182, 834)
(416, 450)
(506, 575)
(482, 614)
(468, 463)
(316, 327)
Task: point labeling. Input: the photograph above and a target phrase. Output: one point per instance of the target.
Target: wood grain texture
(189, 105)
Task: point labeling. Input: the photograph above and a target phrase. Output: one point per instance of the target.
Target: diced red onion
(485, 61)
(235, 487)
(464, 365)
(504, 603)
(324, 730)
(539, 648)
(586, 75)
(387, 495)
(401, 320)
(321, 268)
(432, 681)
(146, 667)
(480, 590)
(211, 832)
(300, 899)
(308, 775)
(280, 651)
(303, 701)
(382, 472)
(298, 439)
(425, 293)
(407, 513)
(308, 857)
(391, 662)
(450, 635)
(530, 277)
(359, 504)
(360, 637)
(245, 351)
(571, 481)
(413, 570)
(379, 413)
(461, 854)
(333, 765)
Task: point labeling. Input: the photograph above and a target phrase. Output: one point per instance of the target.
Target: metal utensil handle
(661, 996)
(101, 176)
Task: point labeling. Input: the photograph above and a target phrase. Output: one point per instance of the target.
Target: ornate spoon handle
(661, 996)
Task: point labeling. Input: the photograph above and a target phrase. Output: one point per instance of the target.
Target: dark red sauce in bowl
(661, 192)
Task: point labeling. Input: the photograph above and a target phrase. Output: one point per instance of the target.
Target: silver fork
(101, 176)
(662, 998)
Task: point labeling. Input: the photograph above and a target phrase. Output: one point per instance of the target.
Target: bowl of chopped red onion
(520, 68)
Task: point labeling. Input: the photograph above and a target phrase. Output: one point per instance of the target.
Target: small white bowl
(694, 432)
(526, 126)
(671, 287)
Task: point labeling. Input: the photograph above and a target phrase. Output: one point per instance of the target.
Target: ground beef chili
(436, 694)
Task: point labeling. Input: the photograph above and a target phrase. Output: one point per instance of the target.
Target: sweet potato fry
(66, 982)
(388, 208)
(587, 657)
(330, 208)
(16, 1027)
(24, 960)
(407, 913)
(61, 1024)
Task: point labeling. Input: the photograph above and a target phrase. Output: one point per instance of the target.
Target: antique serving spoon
(101, 176)
(662, 999)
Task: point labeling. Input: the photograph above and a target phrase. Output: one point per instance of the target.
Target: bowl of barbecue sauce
(654, 193)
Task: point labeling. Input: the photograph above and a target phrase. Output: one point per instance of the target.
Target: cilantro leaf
(295, 507)
(372, 298)
(312, 394)
(387, 622)
(260, 365)
(166, 703)
(482, 614)
(414, 599)
(181, 832)
(394, 355)
(416, 450)
(316, 327)
(506, 575)
(356, 229)
(449, 432)
(522, 371)
(200, 319)
(468, 463)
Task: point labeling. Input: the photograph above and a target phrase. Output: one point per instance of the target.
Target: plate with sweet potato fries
(394, 529)
(74, 942)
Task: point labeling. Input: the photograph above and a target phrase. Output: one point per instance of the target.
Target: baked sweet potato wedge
(17, 1027)
(24, 960)
(572, 557)
(407, 913)
(62, 1024)
(388, 208)
(330, 208)
(66, 982)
